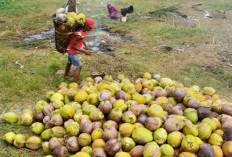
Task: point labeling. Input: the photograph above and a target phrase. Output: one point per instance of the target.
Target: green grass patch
(219, 4)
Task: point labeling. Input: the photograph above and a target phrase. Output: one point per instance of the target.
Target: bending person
(113, 12)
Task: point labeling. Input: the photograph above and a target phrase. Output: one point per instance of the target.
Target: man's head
(89, 24)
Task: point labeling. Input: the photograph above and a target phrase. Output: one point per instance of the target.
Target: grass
(219, 4)
(22, 88)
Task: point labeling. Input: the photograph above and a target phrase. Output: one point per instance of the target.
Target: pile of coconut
(106, 116)
(70, 17)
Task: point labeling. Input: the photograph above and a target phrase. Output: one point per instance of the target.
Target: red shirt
(79, 43)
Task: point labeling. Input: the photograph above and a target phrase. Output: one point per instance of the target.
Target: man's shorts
(74, 59)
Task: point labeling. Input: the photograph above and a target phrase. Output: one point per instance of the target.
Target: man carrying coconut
(75, 47)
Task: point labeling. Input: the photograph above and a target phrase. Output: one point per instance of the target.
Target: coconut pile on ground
(150, 117)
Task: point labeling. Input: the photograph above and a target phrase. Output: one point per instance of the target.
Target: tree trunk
(72, 6)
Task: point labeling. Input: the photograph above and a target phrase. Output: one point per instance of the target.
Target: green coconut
(9, 137)
(33, 143)
(191, 114)
(174, 139)
(142, 135)
(37, 128)
(126, 129)
(84, 139)
(46, 135)
(40, 105)
(10, 117)
(19, 141)
(127, 144)
(160, 135)
(190, 129)
(67, 112)
(29, 111)
(46, 149)
(73, 129)
(155, 111)
(167, 150)
(190, 144)
(26, 119)
(58, 132)
(152, 149)
(204, 131)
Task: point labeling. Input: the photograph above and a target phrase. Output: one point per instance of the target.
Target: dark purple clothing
(113, 13)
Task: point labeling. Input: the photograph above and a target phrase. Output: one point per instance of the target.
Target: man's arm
(74, 43)
(86, 47)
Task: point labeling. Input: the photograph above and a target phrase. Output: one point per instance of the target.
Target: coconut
(171, 124)
(160, 135)
(39, 116)
(190, 144)
(129, 117)
(72, 144)
(45, 147)
(141, 118)
(110, 133)
(67, 112)
(33, 143)
(57, 104)
(137, 109)
(87, 149)
(227, 109)
(10, 117)
(46, 119)
(48, 109)
(152, 149)
(167, 150)
(174, 139)
(112, 146)
(176, 110)
(60, 151)
(127, 144)
(194, 103)
(99, 152)
(126, 129)
(84, 139)
(203, 112)
(37, 128)
(53, 143)
(49, 94)
(97, 125)
(73, 129)
(142, 135)
(97, 134)
(227, 136)
(179, 94)
(19, 141)
(206, 150)
(191, 114)
(46, 134)
(98, 143)
(40, 105)
(161, 92)
(58, 132)
(155, 111)
(57, 120)
(115, 115)
(86, 126)
(122, 95)
(153, 123)
(96, 115)
(66, 123)
(9, 137)
(109, 124)
(137, 151)
(104, 95)
(26, 119)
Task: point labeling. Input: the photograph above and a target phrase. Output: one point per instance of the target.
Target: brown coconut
(171, 124)
(137, 109)
(137, 151)
(113, 100)
(203, 112)
(205, 150)
(47, 110)
(46, 119)
(179, 94)
(109, 124)
(104, 95)
(105, 106)
(98, 124)
(161, 92)
(99, 152)
(60, 151)
(182, 106)
(72, 144)
(122, 95)
(194, 103)
(167, 107)
(110, 133)
(39, 116)
(66, 123)
(86, 126)
(53, 143)
(141, 118)
(227, 109)
(152, 123)
(57, 120)
(112, 146)
(177, 110)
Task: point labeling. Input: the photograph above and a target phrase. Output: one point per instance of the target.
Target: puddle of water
(50, 34)
(99, 40)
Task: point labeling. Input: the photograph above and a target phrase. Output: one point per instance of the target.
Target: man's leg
(77, 74)
(67, 70)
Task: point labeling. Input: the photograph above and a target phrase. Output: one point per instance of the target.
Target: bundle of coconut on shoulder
(65, 25)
